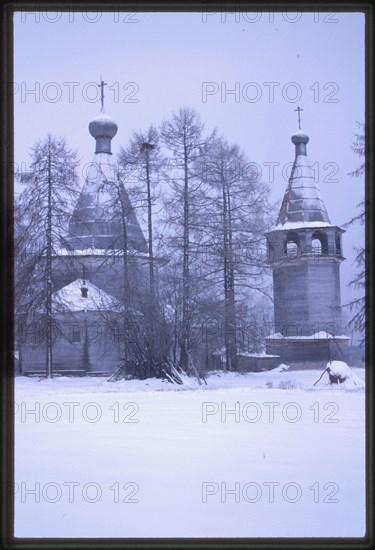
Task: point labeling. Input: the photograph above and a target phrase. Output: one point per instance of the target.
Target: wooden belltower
(305, 254)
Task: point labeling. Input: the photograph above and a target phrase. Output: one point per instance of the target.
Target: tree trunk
(49, 373)
(184, 356)
(231, 312)
(125, 261)
(152, 318)
(229, 292)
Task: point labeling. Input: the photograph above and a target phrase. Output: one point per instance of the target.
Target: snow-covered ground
(256, 455)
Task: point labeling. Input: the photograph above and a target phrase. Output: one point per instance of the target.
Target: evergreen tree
(358, 305)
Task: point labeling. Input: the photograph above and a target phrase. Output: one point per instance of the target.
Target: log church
(88, 269)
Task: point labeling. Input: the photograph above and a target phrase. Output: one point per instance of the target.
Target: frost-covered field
(256, 455)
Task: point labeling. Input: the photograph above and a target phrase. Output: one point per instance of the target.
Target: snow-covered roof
(89, 251)
(97, 219)
(300, 134)
(69, 298)
(258, 355)
(321, 335)
(296, 225)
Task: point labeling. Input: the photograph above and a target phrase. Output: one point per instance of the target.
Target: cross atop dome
(101, 86)
(103, 128)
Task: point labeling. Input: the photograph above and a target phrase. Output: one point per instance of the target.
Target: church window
(76, 334)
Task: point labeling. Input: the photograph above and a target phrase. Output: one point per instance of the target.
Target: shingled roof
(302, 201)
(97, 219)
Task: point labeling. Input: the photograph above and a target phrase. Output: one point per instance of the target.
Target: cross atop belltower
(299, 115)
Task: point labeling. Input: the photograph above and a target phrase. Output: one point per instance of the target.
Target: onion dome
(103, 128)
(300, 140)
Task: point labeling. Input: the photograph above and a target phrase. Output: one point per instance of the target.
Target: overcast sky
(156, 63)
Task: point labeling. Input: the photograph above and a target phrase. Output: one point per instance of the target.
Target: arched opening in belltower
(292, 245)
(319, 243)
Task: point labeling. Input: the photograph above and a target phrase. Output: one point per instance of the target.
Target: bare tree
(44, 206)
(233, 230)
(139, 324)
(123, 323)
(142, 160)
(183, 136)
